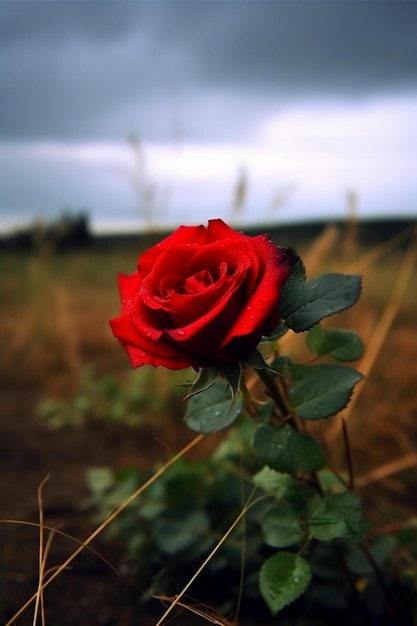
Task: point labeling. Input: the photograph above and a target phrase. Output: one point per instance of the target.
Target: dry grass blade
(377, 252)
(43, 554)
(202, 610)
(388, 469)
(106, 522)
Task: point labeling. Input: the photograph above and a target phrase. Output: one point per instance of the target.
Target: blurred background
(153, 114)
(124, 120)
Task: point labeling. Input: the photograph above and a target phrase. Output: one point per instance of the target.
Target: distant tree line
(68, 232)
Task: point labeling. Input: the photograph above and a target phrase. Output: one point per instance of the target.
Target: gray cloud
(97, 70)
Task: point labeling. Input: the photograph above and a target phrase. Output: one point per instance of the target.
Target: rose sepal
(206, 377)
(215, 410)
(233, 375)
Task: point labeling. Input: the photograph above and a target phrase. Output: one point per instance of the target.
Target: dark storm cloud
(57, 22)
(96, 70)
(311, 45)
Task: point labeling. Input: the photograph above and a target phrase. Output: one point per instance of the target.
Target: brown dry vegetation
(54, 322)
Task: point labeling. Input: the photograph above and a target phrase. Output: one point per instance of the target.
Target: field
(62, 413)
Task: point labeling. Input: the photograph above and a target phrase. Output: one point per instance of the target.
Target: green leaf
(322, 297)
(99, 480)
(282, 526)
(274, 482)
(235, 444)
(280, 485)
(206, 377)
(182, 530)
(264, 412)
(213, 410)
(342, 345)
(282, 364)
(286, 450)
(336, 516)
(315, 339)
(319, 391)
(283, 578)
(276, 334)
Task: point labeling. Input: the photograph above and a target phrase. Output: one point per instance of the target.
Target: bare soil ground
(90, 592)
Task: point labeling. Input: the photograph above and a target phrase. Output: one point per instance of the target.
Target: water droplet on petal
(180, 332)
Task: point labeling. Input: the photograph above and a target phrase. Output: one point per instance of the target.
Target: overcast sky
(304, 100)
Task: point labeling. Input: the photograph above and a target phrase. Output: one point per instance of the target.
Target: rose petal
(260, 315)
(183, 236)
(202, 338)
(217, 230)
(185, 308)
(143, 351)
(128, 288)
(220, 253)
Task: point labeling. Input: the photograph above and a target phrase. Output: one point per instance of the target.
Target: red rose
(203, 296)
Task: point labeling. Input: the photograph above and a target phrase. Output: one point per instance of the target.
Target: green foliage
(283, 578)
(380, 550)
(178, 520)
(279, 485)
(328, 517)
(342, 345)
(109, 399)
(286, 450)
(319, 391)
(336, 516)
(304, 512)
(214, 410)
(320, 298)
(282, 526)
(303, 531)
(279, 332)
(256, 360)
(206, 377)
(304, 304)
(183, 530)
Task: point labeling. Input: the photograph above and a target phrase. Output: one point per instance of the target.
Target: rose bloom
(202, 297)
